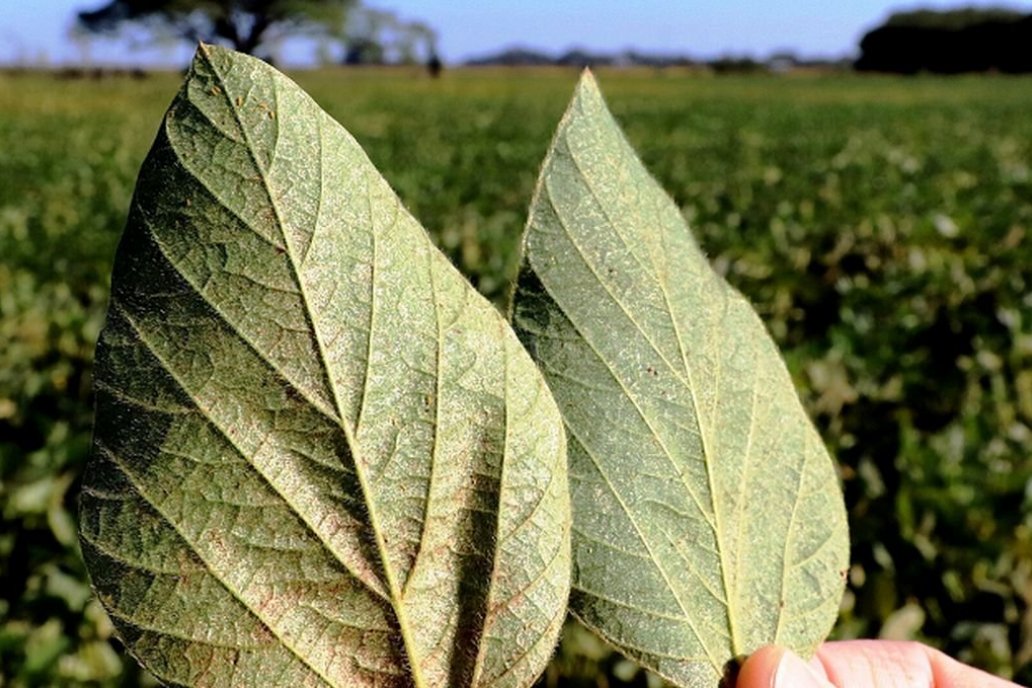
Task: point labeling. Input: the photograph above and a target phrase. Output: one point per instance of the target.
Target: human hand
(863, 664)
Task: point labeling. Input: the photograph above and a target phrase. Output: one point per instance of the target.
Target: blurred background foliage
(879, 225)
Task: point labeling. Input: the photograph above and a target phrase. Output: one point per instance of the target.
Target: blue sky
(37, 30)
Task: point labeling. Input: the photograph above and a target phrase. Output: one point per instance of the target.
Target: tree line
(945, 42)
(950, 42)
(362, 35)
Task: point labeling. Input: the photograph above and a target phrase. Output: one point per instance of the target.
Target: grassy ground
(881, 227)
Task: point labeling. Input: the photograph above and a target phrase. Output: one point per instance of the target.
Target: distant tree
(434, 65)
(949, 42)
(246, 25)
(513, 57)
(380, 37)
(364, 51)
(423, 40)
(731, 64)
(580, 58)
(955, 19)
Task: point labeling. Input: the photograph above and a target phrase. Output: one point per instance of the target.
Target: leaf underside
(320, 457)
(708, 520)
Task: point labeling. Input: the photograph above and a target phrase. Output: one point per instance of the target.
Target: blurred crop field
(881, 227)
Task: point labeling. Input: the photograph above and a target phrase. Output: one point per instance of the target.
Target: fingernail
(793, 672)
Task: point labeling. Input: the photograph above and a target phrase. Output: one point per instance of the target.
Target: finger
(863, 664)
(882, 663)
(776, 667)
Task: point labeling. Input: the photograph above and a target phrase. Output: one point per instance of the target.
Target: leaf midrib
(544, 190)
(730, 592)
(397, 601)
(286, 378)
(612, 372)
(661, 284)
(673, 590)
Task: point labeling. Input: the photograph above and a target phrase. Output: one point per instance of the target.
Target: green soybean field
(881, 226)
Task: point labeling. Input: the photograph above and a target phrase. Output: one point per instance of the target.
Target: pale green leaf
(708, 520)
(321, 458)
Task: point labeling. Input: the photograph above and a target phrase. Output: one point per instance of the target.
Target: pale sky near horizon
(37, 31)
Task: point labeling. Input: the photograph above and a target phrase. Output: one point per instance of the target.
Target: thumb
(776, 667)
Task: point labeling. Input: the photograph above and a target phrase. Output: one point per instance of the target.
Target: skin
(863, 664)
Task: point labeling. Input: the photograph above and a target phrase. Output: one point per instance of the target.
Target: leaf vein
(228, 437)
(641, 535)
(115, 461)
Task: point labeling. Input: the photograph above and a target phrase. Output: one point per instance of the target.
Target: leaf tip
(204, 54)
(587, 86)
(587, 98)
(206, 51)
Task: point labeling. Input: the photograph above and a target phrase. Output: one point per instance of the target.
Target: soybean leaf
(707, 516)
(320, 457)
